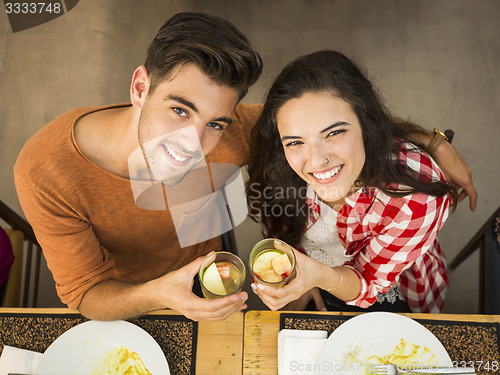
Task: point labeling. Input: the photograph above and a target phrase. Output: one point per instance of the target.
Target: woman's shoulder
(394, 211)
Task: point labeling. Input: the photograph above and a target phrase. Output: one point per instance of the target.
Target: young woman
(331, 175)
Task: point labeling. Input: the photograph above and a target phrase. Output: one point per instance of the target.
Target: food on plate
(405, 355)
(272, 266)
(121, 361)
(222, 278)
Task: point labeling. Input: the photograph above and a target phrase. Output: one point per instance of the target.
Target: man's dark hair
(212, 43)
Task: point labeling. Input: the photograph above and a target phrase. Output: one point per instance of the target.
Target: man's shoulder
(247, 114)
(248, 110)
(234, 145)
(244, 119)
(62, 124)
(50, 145)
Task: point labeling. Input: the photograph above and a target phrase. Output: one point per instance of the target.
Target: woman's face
(323, 144)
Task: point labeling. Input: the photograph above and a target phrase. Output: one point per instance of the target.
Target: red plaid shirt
(393, 240)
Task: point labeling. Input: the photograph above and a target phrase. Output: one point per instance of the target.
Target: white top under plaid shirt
(393, 240)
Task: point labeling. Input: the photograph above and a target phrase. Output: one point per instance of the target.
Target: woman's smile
(327, 176)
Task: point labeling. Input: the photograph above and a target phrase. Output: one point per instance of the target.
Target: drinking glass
(232, 275)
(266, 245)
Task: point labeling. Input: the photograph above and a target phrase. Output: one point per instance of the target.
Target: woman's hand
(299, 291)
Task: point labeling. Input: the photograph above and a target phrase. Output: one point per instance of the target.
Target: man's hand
(452, 164)
(114, 299)
(178, 285)
(455, 168)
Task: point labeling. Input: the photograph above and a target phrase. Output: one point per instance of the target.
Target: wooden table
(247, 343)
(260, 356)
(219, 343)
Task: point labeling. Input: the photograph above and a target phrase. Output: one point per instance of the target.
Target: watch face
(449, 134)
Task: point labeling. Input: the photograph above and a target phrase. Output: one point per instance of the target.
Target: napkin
(18, 360)
(298, 350)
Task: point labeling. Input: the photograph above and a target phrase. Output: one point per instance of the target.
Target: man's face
(182, 121)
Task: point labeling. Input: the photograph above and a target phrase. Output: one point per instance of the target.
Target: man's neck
(108, 137)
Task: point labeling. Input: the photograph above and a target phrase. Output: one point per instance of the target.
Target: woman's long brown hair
(276, 194)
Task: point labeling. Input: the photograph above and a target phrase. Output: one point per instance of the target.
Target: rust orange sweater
(86, 219)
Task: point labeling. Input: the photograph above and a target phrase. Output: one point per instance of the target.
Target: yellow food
(406, 355)
(121, 361)
(263, 261)
(212, 280)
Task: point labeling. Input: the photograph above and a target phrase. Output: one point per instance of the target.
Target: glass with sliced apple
(221, 275)
(270, 265)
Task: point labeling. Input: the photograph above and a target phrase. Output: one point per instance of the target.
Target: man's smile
(176, 155)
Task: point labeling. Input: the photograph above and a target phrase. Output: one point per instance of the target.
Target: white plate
(80, 349)
(376, 333)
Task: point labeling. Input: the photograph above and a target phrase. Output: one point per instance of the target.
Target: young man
(110, 257)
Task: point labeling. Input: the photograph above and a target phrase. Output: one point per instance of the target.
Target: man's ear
(139, 87)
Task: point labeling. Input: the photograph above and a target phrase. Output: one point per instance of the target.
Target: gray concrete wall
(435, 62)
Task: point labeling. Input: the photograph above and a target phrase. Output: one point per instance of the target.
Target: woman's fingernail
(254, 288)
(260, 286)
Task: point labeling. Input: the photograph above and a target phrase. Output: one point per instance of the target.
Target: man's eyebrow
(191, 105)
(328, 128)
(225, 119)
(181, 100)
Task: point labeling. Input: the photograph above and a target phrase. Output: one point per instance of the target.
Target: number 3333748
(32, 8)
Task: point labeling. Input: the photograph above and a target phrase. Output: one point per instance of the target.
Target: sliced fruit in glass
(221, 275)
(271, 266)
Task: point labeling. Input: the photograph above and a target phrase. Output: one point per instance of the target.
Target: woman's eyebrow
(338, 123)
(283, 139)
(328, 128)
